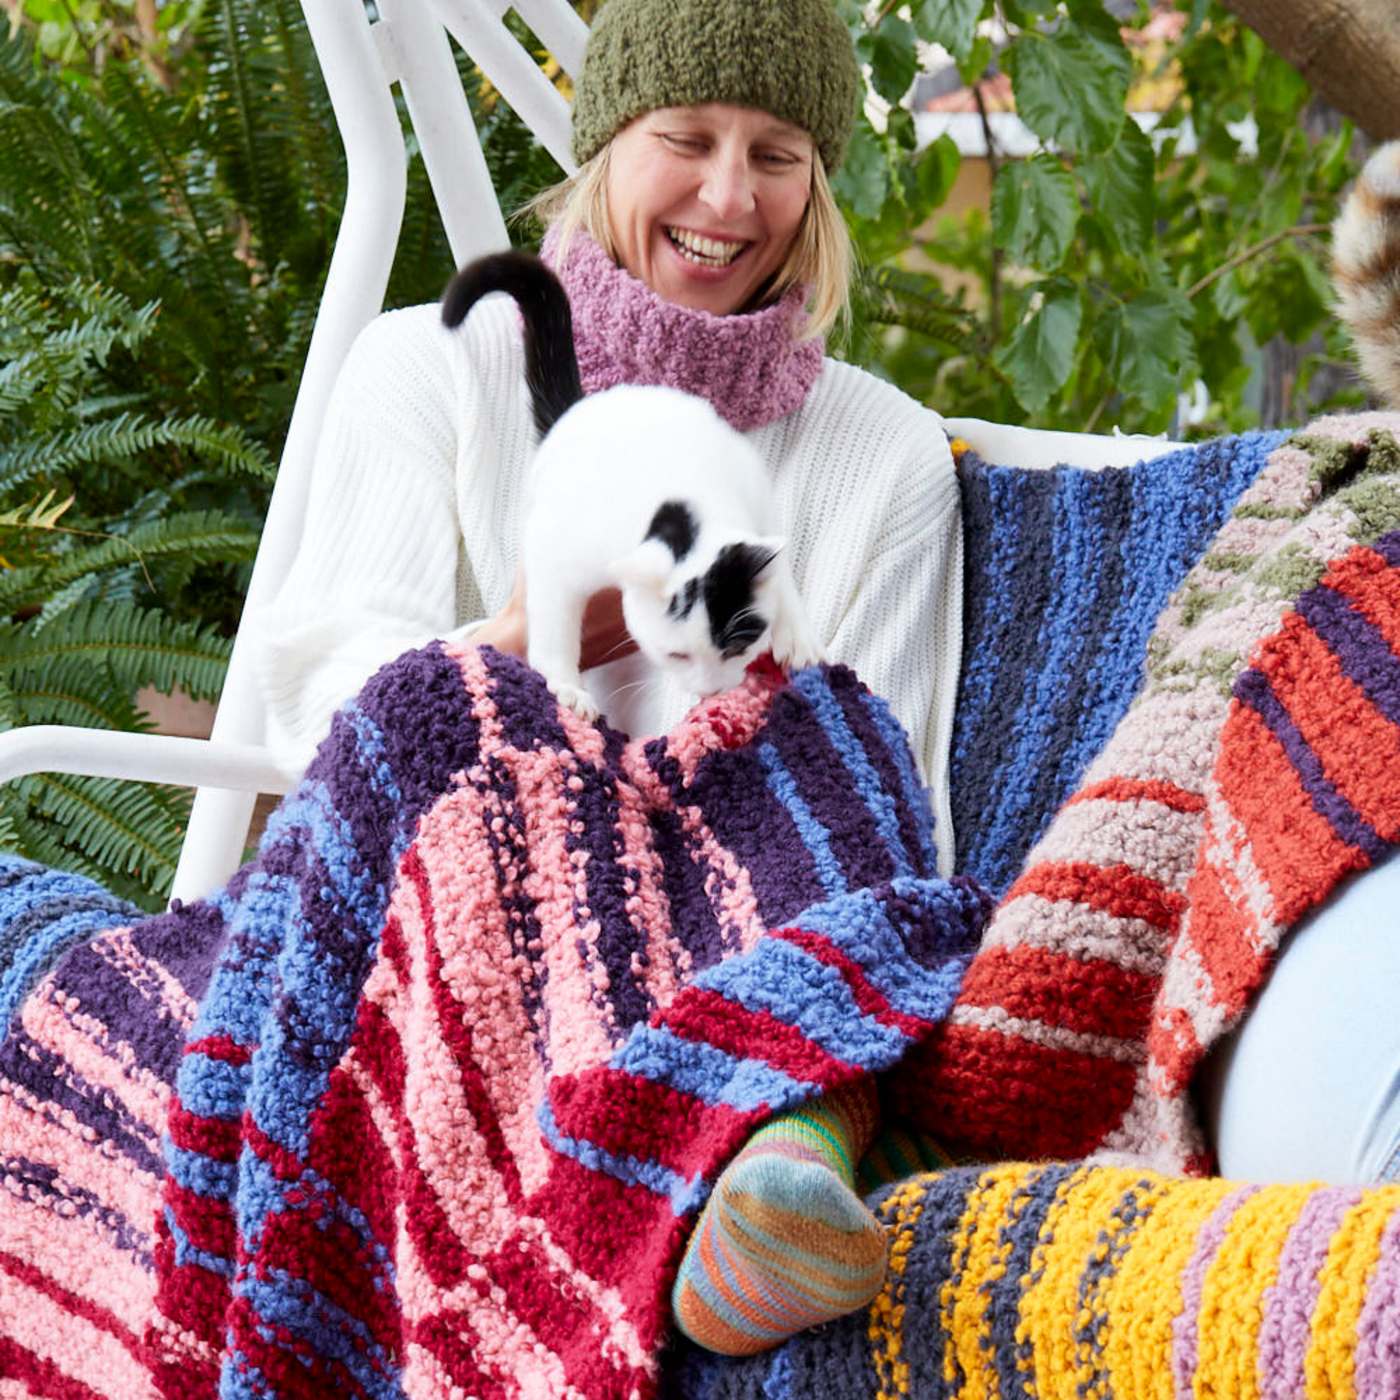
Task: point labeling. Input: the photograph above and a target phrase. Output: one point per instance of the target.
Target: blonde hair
(821, 256)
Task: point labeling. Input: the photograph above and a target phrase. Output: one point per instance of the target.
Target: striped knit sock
(899, 1152)
(784, 1243)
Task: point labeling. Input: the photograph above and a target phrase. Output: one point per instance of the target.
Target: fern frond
(127, 438)
(198, 537)
(136, 646)
(117, 824)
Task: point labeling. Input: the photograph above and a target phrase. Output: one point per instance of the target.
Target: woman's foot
(784, 1243)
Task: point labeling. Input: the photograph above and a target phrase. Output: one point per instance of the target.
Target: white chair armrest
(149, 758)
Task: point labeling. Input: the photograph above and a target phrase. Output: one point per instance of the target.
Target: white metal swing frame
(363, 57)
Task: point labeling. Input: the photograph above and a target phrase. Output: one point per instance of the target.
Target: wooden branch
(1348, 51)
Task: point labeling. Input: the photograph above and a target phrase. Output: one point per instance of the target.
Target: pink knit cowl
(751, 366)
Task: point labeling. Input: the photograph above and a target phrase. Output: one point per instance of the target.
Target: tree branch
(1297, 231)
(1348, 51)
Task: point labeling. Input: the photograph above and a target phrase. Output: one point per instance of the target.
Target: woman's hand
(604, 633)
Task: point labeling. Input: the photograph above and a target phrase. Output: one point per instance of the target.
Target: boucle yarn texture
(1259, 766)
(496, 1001)
(793, 58)
(753, 367)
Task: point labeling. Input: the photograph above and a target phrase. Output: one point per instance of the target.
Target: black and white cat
(646, 489)
(1366, 269)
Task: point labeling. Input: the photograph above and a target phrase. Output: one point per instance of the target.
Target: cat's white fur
(595, 485)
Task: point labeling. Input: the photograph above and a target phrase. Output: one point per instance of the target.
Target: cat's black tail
(551, 368)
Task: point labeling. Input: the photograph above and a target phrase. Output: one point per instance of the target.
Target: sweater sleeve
(375, 572)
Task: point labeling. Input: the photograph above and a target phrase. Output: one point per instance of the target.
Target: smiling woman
(705, 202)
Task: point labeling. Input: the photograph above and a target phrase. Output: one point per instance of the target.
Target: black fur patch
(734, 626)
(674, 525)
(682, 604)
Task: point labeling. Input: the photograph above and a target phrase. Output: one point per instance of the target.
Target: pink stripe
(87, 1047)
(1288, 1303)
(80, 1339)
(1377, 1358)
(79, 1257)
(582, 1024)
(484, 964)
(451, 1152)
(56, 1139)
(668, 963)
(1186, 1328)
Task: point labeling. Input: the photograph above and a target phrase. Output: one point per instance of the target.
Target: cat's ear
(646, 567)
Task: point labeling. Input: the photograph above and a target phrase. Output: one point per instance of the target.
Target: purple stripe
(55, 1083)
(42, 1187)
(731, 790)
(694, 923)
(1377, 1358)
(1186, 1328)
(1364, 654)
(1288, 1303)
(1388, 547)
(621, 945)
(826, 786)
(1253, 689)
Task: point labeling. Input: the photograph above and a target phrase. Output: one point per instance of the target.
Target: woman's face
(705, 201)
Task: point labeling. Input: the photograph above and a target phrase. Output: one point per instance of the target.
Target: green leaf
(937, 169)
(952, 23)
(1122, 188)
(889, 49)
(1040, 354)
(1067, 90)
(1145, 344)
(1034, 211)
(864, 180)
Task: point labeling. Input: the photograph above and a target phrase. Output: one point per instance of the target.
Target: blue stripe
(685, 1195)
(810, 996)
(186, 1254)
(811, 684)
(373, 754)
(39, 950)
(290, 1304)
(814, 835)
(916, 795)
(200, 1174)
(706, 1072)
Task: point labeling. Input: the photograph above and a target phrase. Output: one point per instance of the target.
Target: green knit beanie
(793, 58)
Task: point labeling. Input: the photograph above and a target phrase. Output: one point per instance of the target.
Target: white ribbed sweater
(412, 532)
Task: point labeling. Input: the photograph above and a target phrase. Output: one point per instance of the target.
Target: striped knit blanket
(371, 1124)
(1259, 766)
(423, 1104)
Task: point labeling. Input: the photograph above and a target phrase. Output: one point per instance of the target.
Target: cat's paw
(577, 699)
(795, 646)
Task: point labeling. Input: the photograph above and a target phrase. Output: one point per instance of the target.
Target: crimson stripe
(1010, 1096)
(1091, 997)
(452, 1018)
(295, 1369)
(448, 1338)
(1164, 794)
(871, 1001)
(628, 1116)
(41, 1376)
(73, 1303)
(1113, 889)
(699, 1014)
(215, 1138)
(222, 1048)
